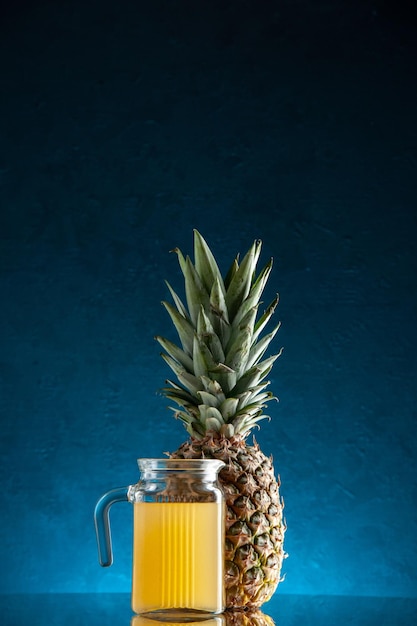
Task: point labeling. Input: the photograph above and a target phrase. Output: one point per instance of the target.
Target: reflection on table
(282, 610)
(229, 618)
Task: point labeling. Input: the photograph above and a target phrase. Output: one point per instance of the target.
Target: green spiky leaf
(220, 366)
(205, 263)
(241, 282)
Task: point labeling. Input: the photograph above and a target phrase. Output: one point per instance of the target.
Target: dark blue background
(125, 124)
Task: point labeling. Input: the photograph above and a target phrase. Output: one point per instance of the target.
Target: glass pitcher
(178, 536)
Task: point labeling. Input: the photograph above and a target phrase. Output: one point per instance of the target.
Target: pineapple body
(250, 617)
(221, 393)
(255, 527)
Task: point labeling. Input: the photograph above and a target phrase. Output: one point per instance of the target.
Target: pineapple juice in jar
(178, 539)
(177, 562)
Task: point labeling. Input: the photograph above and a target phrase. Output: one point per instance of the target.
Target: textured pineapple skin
(250, 617)
(255, 526)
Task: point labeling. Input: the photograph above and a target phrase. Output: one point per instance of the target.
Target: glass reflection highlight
(228, 618)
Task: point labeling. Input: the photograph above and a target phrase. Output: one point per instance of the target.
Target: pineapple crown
(221, 384)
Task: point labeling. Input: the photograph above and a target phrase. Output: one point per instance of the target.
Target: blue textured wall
(124, 125)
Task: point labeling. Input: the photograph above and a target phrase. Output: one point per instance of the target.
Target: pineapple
(220, 395)
(253, 617)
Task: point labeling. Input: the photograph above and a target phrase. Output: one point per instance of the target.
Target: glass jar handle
(102, 523)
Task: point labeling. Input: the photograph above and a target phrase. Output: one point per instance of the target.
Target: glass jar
(178, 536)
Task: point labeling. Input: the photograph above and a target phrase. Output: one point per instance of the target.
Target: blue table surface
(285, 610)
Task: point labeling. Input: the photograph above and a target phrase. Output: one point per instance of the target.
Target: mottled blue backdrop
(124, 125)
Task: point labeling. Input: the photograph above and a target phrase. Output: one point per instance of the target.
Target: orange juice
(177, 556)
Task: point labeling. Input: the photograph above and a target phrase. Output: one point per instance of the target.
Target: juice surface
(178, 556)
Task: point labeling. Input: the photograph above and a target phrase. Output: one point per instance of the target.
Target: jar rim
(194, 465)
